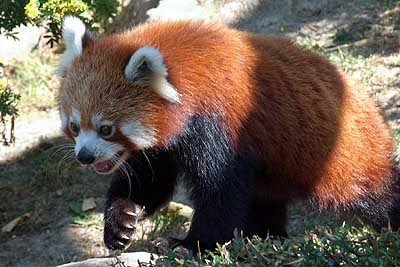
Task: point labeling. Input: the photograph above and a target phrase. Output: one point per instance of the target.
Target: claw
(120, 243)
(125, 237)
(130, 213)
(129, 226)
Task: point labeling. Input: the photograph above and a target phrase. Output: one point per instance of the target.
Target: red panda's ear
(76, 37)
(146, 67)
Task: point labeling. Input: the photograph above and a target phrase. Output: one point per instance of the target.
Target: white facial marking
(143, 137)
(75, 116)
(73, 32)
(101, 148)
(158, 72)
(96, 119)
(64, 120)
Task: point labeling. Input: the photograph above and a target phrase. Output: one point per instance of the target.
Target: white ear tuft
(73, 32)
(146, 66)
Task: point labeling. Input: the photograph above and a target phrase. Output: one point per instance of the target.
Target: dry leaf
(11, 225)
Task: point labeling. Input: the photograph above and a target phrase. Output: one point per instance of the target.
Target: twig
(246, 248)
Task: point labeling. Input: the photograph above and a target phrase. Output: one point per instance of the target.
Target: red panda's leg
(219, 178)
(267, 217)
(151, 184)
(220, 208)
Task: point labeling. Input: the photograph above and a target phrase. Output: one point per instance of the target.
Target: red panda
(252, 122)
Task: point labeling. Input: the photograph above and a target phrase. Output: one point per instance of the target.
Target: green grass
(324, 246)
(397, 136)
(343, 58)
(353, 32)
(166, 221)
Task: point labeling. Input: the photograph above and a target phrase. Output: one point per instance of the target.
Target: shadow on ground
(365, 27)
(36, 183)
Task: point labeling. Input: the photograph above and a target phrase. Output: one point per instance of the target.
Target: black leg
(267, 218)
(149, 187)
(218, 213)
(219, 179)
(151, 182)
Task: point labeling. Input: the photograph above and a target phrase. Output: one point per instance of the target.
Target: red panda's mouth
(109, 165)
(103, 166)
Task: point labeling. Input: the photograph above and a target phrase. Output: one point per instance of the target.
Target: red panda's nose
(85, 156)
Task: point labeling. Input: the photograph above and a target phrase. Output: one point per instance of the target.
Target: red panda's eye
(105, 130)
(74, 128)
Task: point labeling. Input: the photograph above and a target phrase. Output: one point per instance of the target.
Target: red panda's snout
(105, 144)
(94, 146)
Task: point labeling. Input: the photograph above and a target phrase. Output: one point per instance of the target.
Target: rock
(182, 209)
(125, 259)
(59, 193)
(28, 38)
(177, 10)
(133, 13)
(88, 204)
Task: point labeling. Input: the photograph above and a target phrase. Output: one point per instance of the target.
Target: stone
(28, 38)
(133, 259)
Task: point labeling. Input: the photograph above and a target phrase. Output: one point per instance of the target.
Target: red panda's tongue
(103, 166)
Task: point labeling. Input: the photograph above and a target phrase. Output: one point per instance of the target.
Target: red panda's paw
(120, 220)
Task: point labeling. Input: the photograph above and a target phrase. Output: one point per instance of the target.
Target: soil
(366, 34)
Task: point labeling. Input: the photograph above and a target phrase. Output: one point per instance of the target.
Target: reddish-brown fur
(319, 133)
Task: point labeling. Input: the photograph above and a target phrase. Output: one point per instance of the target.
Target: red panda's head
(113, 96)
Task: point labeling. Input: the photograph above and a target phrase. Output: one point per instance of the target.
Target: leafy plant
(397, 135)
(8, 112)
(339, 246)
(165, 221)
(50, 13)
(86, 218)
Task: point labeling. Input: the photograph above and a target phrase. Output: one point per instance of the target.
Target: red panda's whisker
(59, 148)
(68, 164)
(151, 167)
(69, 155)
(123, 167)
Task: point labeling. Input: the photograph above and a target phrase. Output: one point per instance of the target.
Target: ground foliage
(324, 246)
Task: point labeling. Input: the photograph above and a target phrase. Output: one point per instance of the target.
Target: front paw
(120, 220)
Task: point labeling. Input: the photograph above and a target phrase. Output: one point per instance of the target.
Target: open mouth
(108, 165)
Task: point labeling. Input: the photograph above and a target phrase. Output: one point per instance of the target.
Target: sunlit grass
(324, 246)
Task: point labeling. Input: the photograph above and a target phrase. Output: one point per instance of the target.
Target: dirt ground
(363, 37)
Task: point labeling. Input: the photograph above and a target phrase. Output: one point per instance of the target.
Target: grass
(33, 185)
(340, 246)
(354, 32)
(397, 136)
(342, 57)
(34, 77)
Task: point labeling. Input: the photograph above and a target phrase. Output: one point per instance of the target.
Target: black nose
(85, 156)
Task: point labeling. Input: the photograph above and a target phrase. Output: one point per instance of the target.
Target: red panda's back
(317, 127)
(316, 132)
